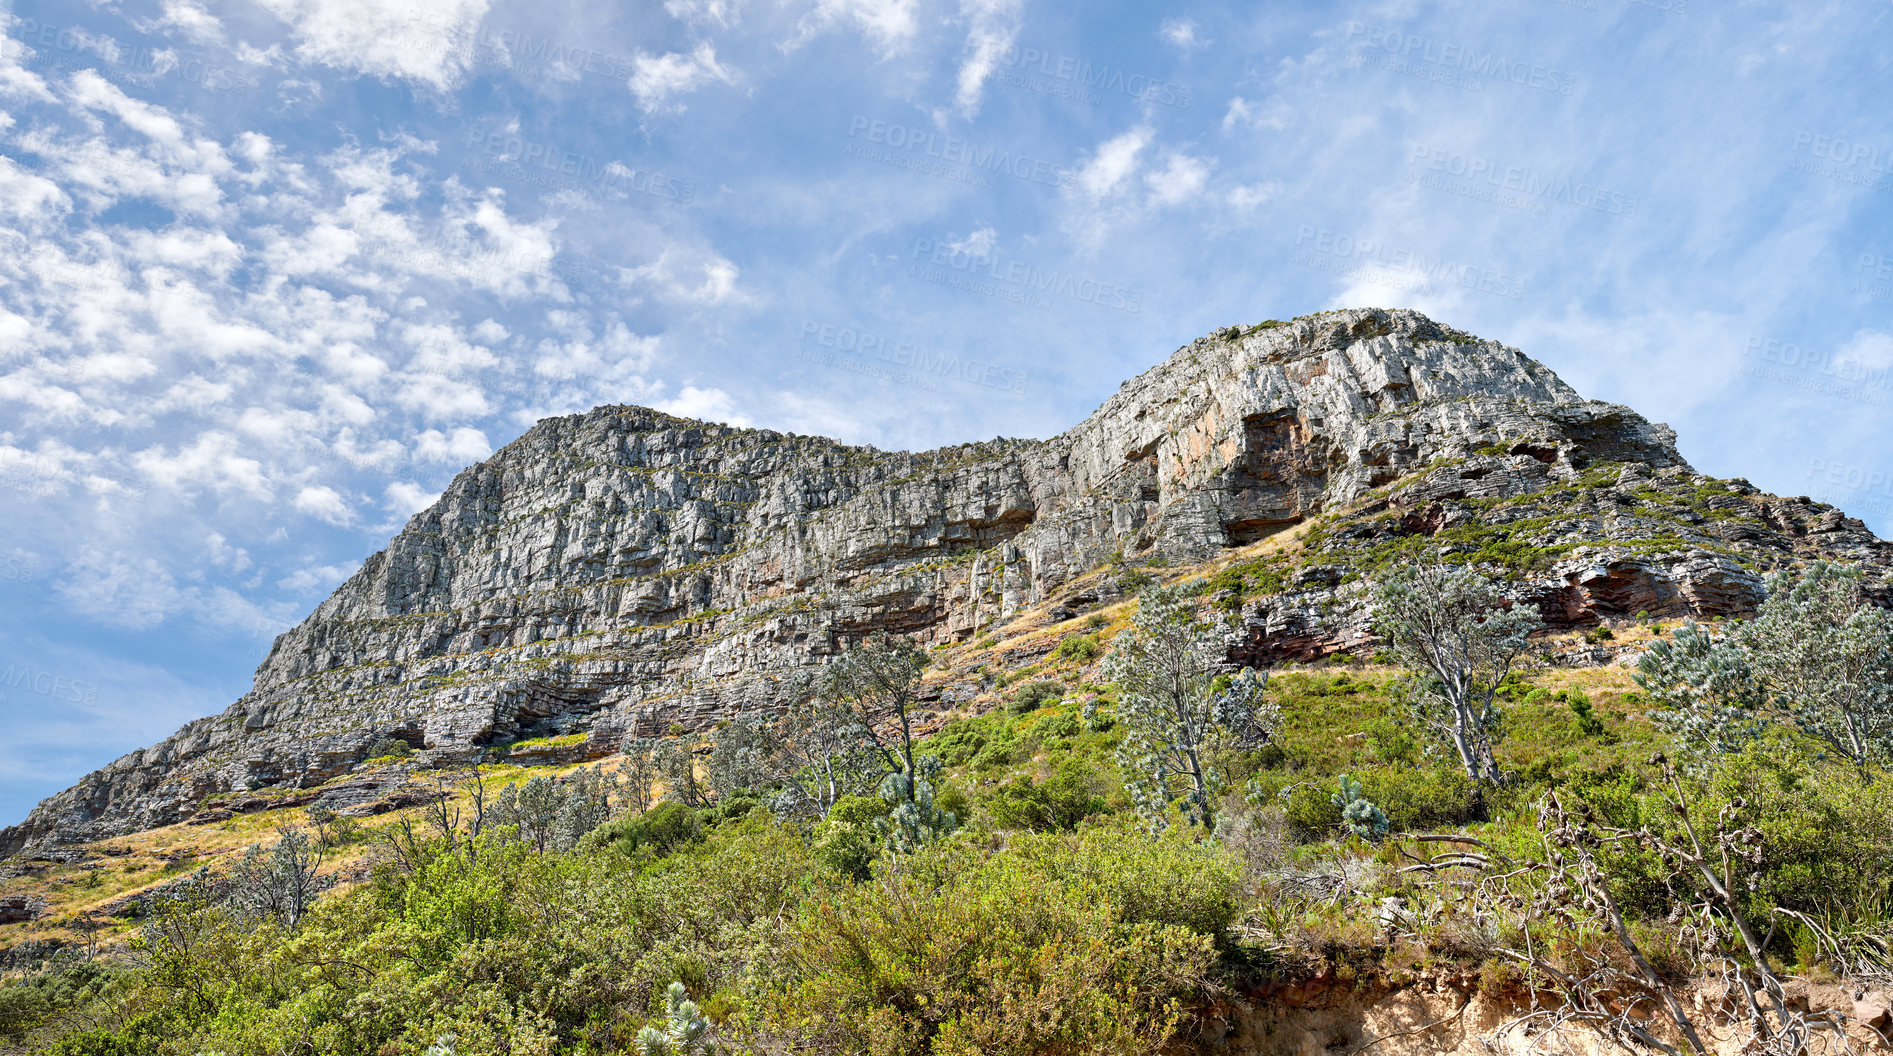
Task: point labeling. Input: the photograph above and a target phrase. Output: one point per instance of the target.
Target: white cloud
(225, 556)
(190, 20)
(405, 498)
(120, 590)
(1869, 352)
(1245, 114)
(979, 243)
(1183, 33)
(1181, 181)
(992, 27)
(890, 24)
(1247, 198)
(616, 358)
(1113, 165)
(710, 405)
(324, 503)
(682, 275)
(723, 13)
(428, 42)
(465, 445)
(16, 81)
(215, 461)
(490, 332)
(438, 398)
(26, 196)
(655, 78)
(317, 577)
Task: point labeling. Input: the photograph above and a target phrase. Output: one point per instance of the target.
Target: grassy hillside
(1050, 921)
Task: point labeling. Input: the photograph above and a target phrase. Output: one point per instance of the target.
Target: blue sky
(272, 272)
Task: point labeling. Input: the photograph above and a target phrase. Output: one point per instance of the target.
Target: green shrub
(847, 840)
(1582, 711)
(1035, 695)
(1312, 812)
(1422, 798)
(1069, 944)
(958, 741)
(25, 1004)
(1073, 793)
(389, 748)
(1080, 647)
(1003, 749)
(658, 831)
(1134, 580)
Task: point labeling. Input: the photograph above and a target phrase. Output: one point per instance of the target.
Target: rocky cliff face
(627, 570)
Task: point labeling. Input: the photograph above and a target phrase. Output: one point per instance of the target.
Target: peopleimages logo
(1849, 476)
(1790, 364)
(18, 567)
(1096, 78)
(921, 366)
(1874, 276)
(1485, 176)
(1842, 160)
(124, 63)
(1029, 283)
(1352, 257)
(1843, 151)
(48, 684)
(1417, 48)
(951, 150)
(549, 165)
(1788, 354)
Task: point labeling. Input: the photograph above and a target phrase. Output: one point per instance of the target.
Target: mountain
(626, 570)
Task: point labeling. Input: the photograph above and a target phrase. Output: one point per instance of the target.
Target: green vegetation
(1249, 579)
(823, 883)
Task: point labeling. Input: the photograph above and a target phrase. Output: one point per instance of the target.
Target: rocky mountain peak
(625, 570)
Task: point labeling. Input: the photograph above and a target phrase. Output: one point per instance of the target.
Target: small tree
(879, 682)
(915, 820)
(683, 1030)
(745, 757)
(554, 813)
(1824, 655)
(640, 773)
(279, 884)
(1710, 700)
(827, 753)
(1174, 715)
(1462, 636)
(1360, 815)
(676, 764)
(440, 821)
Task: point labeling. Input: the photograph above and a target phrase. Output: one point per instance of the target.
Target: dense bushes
(1047, 923)
(1069, 944)
(514, 950)
(1073, 793)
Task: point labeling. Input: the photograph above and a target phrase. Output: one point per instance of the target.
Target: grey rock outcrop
(628, 571)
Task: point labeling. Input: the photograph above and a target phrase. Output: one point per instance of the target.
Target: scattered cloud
(657, 78)
(464, 445)
(710, 405)
(1114, 164)
(991, 27)
(325, 504)
(889, 24)
(425, 42)
(979, 243)
(1183, 33)
(1181, 180)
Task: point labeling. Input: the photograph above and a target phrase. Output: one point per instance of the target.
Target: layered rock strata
(628, 571)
